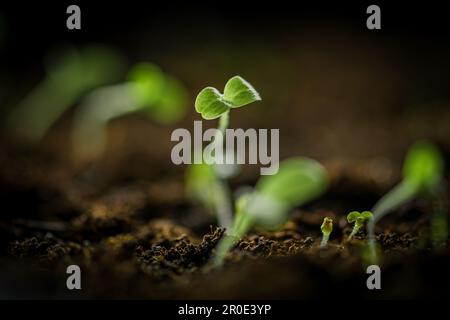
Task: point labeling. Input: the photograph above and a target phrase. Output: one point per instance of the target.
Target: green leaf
(424, 165)
(171, 105)
(366, 215)
(210, 103)
(352, 216)
(266, 211)
(238, 92)
(160, 96)
(298, 180)
(149, 83)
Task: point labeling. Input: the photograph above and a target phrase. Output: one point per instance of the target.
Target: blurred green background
(337, 91)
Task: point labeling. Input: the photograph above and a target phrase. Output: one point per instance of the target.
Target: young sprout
(148, 90)
(422, 174)
(205, 183)
(69, 76)
(326, 228)
(212, 104)
(358, 219)
(298, 181)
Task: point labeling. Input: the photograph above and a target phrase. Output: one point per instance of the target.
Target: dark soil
(141, 239)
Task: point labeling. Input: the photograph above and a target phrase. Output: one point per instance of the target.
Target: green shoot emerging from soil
(422, 174)
(326, 228)
(298, 181)
(358, 219)
(205, 183)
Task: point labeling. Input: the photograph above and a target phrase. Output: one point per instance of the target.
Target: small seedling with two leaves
(298, 181)
(358, 218)
(212, 104)
(422, 175)
(206, 183)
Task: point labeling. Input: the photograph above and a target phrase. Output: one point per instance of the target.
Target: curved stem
(354, 232)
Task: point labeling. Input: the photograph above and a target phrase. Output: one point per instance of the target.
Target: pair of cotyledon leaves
(359, 217)
(211, 104)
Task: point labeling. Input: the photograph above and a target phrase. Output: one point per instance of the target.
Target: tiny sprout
(422, 174)
(298, 181)
(326, 228)
(358, 219)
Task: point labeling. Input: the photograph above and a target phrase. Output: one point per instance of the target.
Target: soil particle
(45, 248)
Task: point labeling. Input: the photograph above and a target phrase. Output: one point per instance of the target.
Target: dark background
(34, 26)
(313, 60)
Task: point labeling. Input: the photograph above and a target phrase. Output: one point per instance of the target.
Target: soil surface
(141, 239)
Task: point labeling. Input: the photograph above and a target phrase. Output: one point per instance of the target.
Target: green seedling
(206, 183)
(358, 219)
(267, 206)
(69, 76)
(326, 228)
(147, 90)
(212, 104)
(422, 175)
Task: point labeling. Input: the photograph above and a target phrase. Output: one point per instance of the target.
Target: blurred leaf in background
(69, 76)
(298, 181)
(148, 90)
(204, 186)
